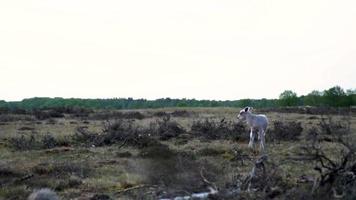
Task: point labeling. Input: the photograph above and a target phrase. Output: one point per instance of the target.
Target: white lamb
(259, 122)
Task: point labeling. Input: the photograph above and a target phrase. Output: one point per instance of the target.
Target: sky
(202, 49)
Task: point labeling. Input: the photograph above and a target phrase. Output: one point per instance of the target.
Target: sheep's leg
(252, 139)
(261, 135)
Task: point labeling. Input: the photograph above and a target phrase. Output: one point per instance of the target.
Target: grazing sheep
(259, 122)
(43, 194)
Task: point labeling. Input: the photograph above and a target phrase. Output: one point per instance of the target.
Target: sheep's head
(244, 112)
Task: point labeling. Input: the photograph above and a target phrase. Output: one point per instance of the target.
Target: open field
(167, 153)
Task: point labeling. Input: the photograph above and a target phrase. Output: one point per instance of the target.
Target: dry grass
(170, 169)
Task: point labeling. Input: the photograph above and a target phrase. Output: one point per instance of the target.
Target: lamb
(259, 122)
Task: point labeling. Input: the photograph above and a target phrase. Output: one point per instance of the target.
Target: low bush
(181, 113)
(121, 132)
(166, 128)
(336, 171)
(211, 129)
(328, 126)
(32, 142)
(12, 118)
(62, 169)
(285, 131)
(47, 114)
(117, 115)
(160, 114)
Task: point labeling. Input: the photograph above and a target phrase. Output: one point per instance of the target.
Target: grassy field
(163, 153)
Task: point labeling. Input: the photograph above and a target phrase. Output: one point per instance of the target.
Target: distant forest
(333, 97)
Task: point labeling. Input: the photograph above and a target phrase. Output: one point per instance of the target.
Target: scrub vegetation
(79, 153)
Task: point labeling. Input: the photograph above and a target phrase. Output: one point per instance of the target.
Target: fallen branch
(207, 181)
(132, 188)
(259, 163)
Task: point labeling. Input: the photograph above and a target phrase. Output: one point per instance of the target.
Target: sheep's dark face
(243, 113)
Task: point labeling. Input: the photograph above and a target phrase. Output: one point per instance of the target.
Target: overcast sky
(180, 49)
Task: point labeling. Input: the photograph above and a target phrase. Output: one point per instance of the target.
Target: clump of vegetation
(166, 129)
(62, 169)
(223, 129)
(32, 142)
(47, 114)
(121, 132)
(181, 113)
(117, 115)
(337, 173)
(13, 118)
(285, 131)
(328, 126)
(176, 173)
(160, 114)
(26, 128)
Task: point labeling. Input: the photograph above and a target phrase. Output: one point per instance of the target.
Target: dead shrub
(161, 114)
(285, 131)
(32, 142)
(328, 126)
(337, 171)
(48, 141)
(181, 113)
(47, 114)
(23, 142)
(12, 118)
(213, 130)
(117, 115)
(121, 132)
(74, 111)
(166, 129)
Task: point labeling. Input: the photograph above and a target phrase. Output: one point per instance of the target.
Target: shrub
(181, 113)
(160, 114)
(330, 127)
(117, 115)
(337, 170)
(47, 114)
(166, 129)
(12, 118)
(285, 131)
(30, 142)
(119, 132)
(213, 130)
(65, 169)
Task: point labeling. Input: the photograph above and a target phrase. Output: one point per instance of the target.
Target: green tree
(313, 99)
(335, 96)
(288, 98)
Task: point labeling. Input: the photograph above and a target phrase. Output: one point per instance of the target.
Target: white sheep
(259, 122)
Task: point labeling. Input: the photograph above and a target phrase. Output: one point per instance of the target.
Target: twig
(123, 143)
(131, 188)
(206, 180)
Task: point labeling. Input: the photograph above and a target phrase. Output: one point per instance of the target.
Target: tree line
(333, 97)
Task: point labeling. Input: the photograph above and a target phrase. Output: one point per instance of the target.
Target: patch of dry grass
(169, 169)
